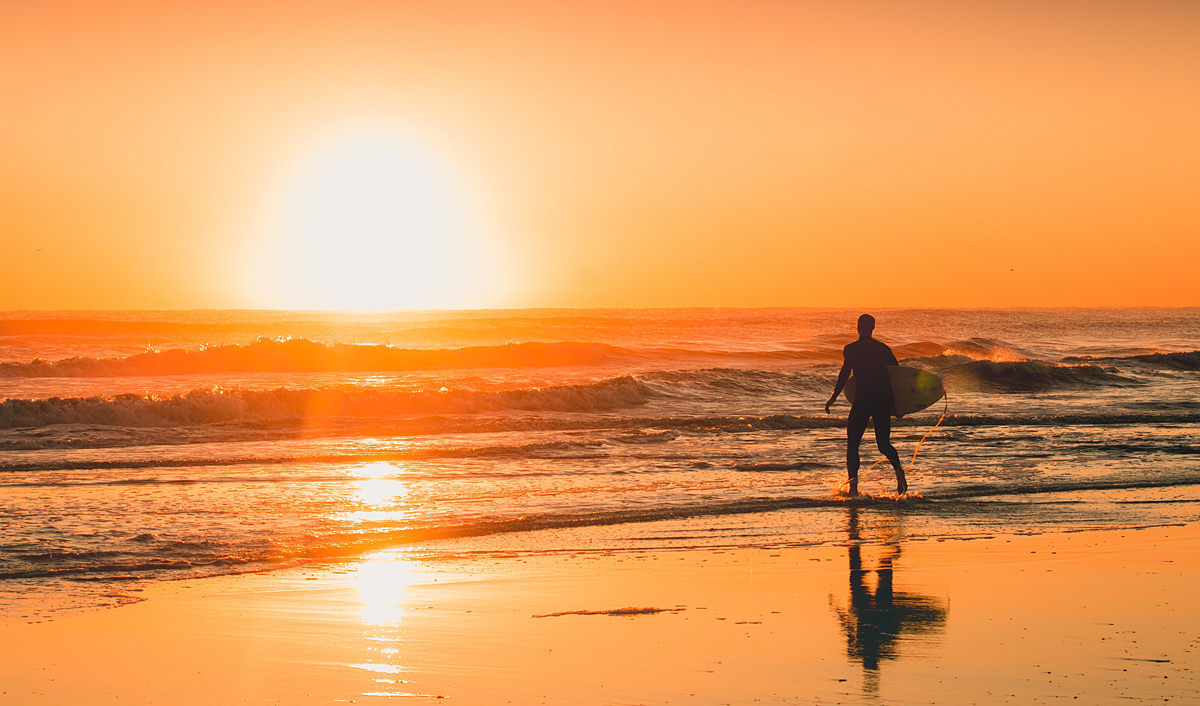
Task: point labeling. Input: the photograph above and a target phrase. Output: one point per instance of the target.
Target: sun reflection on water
(377, 493)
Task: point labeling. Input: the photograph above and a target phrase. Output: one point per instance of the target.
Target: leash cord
(945, 408)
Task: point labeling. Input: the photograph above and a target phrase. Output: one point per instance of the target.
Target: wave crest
(1031, 376)
(215, 406)
(991, 349)
(1173, 361)
(301, 355)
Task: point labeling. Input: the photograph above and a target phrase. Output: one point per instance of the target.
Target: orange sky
(165, 155)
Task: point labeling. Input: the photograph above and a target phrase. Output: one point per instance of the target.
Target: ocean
(138, 447)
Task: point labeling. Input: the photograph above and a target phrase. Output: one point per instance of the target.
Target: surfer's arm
(841, 383)
(889, 358)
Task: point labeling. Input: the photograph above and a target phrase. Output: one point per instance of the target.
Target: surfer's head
(866, 324)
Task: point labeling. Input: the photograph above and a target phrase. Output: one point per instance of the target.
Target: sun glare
(378, 486)
(382, 582)
(374, 221)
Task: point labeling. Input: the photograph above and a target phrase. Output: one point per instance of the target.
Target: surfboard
(913, 389)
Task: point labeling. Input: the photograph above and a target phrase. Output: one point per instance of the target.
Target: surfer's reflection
(875, 622)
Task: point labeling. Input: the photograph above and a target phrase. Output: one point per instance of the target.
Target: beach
(1099, 616)
(520, 352)
(576, 506)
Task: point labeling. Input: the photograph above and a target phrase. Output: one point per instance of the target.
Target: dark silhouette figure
(877, 621)
(868, 360)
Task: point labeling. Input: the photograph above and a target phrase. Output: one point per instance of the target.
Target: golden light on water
(377, 494)
(379, 491)
(378, 486)
(381, 579)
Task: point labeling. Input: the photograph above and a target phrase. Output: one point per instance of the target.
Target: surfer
(868, 360)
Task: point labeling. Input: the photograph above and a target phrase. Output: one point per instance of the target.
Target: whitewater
(146, 446)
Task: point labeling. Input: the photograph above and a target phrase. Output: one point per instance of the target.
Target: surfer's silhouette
(868, 360)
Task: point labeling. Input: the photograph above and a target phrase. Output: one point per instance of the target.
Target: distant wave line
(300, 355)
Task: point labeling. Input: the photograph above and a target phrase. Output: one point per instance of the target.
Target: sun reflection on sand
(381, 582)
(381, 578)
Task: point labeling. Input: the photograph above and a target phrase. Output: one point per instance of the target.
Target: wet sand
(1101, 616)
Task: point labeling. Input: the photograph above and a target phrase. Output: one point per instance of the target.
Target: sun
(374, 221)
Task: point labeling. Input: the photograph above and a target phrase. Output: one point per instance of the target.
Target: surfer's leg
(883, 439)
(856, 425)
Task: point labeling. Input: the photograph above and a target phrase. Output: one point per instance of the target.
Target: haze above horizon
(471, 154)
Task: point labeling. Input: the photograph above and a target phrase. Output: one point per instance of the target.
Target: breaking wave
(213, 406)
(735, 382)
(1031, 376)
(303, 355)
(1080, 368)
(300, 355)
(1173, 361)
(964, 350)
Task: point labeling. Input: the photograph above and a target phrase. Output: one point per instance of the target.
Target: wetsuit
(868, 360)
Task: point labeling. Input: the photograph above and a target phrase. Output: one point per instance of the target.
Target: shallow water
(140, 447)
